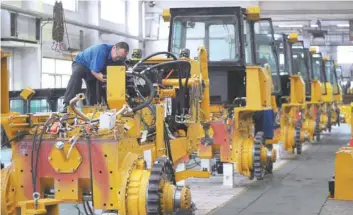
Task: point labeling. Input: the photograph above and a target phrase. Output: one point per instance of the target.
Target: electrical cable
(78, 209)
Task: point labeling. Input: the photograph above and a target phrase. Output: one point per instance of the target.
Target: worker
(90, 65)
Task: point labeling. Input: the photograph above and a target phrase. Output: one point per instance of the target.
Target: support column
(228, 174)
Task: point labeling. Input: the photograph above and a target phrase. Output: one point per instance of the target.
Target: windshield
(299, 64)
(282, 62)
(339, 72)
(317, 67)
(329, 71)
(218, 33)
(266, 52)
(331, 76)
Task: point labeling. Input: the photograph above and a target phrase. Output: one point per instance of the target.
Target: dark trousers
(74, 86)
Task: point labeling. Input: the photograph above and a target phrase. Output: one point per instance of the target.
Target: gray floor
(298, 188)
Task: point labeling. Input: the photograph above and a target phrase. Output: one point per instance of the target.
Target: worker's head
(119, 51)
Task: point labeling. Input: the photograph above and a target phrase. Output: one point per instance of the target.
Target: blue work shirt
(95, 58)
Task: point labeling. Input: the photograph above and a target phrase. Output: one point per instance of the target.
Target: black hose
(85, 208)
(32, 157)
(169, 150)
(178, 62)
(18, 137)
(90, 211)
(90, 165)
(152, 55)
(181, 92)
(181, 87)
(34, 171)
(152, 92)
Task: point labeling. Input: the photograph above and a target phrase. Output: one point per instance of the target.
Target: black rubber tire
(329, 126)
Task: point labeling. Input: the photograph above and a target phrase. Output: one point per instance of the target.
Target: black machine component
(136, 53)
(331, 187)
(162, 170)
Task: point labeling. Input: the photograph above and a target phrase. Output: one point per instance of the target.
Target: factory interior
(198, 107)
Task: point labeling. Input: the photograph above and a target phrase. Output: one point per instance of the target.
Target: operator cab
(300, 65)
(232, 42)
(292, 62)
(331, 75)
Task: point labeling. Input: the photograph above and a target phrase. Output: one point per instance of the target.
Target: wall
(88, 12)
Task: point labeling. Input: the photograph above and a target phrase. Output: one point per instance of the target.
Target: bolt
(49, 158)
(79, 158)
(57, 169)
(59, 145)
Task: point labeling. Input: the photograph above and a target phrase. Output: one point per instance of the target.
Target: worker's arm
(97, 64)
(98, 75)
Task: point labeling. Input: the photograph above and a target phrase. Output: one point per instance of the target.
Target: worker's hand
(99, 76)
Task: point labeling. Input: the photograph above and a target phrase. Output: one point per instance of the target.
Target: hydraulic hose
(151, 95)
(152, 55)
(178, 62)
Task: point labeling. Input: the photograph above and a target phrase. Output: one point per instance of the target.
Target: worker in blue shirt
(90, 65)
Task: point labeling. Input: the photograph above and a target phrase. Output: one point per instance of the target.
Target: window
(317, 67)
(55, 73)
(222, 42)
(266, 52)
(217, 32)
(39, 106)
(67, 4)
(345, 54)
(113, 11)
(17, 105)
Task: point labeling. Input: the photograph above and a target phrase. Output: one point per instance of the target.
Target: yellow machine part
(328, 96)
(253, 13)
(346, 112)
(5, 100)
(343, 181)
(27, 93)
(119, 154)
(316, 91)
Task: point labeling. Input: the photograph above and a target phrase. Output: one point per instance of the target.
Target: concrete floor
(298, 186)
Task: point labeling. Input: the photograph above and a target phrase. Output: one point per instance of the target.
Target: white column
(228, 174)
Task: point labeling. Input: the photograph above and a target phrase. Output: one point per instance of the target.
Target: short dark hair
(122, 45)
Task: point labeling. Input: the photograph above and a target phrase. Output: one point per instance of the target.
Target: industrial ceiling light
(290, 26)
(342, 25)
(314, 25)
